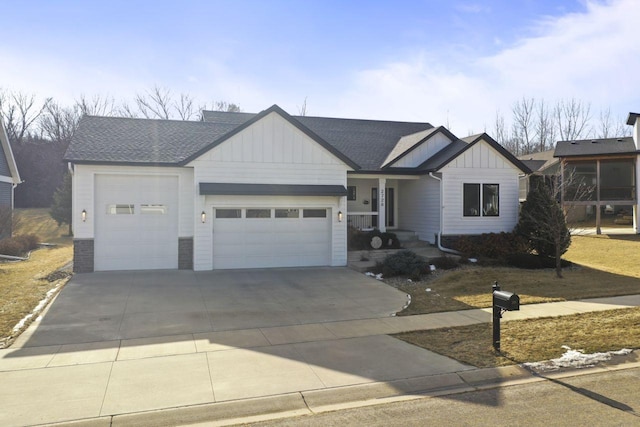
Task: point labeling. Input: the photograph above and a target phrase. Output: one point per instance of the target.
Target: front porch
(388, 202)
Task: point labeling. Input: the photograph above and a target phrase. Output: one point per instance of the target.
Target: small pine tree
(61, 206)
(542, 222)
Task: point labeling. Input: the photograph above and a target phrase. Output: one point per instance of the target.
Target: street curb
(339, 398)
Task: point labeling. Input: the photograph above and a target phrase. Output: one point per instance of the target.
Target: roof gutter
(438, 241)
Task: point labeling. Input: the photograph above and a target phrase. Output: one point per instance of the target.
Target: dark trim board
(231, 189)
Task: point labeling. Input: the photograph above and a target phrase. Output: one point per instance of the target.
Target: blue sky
(455, 62)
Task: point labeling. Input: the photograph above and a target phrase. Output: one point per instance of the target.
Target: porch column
(382, 204)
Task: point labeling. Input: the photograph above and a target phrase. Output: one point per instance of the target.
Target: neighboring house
(541, 163)
(601, 177)
(9, 179)
(240, 190)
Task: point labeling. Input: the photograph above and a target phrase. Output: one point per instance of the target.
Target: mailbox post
(502, 301)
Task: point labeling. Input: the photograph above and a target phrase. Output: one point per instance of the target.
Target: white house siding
(84, 187)
(480, 164)
(270, 151)
(419, 207)
(424, 151)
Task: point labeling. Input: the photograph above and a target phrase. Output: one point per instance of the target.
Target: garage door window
(153, 209)
(120, 209)
(228, 213)
(314, 213)
(287, 213)
(258, 213)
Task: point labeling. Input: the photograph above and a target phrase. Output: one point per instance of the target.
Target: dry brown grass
(533, 340)
(23, 284)
(605, 266)
(39, 222)
(615, 254)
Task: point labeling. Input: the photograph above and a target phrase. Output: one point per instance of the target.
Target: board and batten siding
(423, 152)
(419, 207)
(83, 189)
(481, 164)
(269, 151)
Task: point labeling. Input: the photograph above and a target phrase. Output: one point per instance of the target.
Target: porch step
(405, 235)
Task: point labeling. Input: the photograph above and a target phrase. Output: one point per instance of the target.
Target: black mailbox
(506, 300)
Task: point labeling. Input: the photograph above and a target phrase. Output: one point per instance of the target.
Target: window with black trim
(477, 203)
(351, 192)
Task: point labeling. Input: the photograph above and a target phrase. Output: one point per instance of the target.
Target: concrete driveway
(124, 305)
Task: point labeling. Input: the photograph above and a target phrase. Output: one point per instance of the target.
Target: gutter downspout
(438, 241)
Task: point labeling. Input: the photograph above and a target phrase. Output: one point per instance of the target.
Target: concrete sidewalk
(231, 374)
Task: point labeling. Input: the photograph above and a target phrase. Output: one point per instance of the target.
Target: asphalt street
(599, 399)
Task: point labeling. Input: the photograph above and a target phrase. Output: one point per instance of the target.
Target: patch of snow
(428, 290)
(474, 260)
(42, 304)
(409, 280)
(377, 276)
(432, 267)
(575, 359)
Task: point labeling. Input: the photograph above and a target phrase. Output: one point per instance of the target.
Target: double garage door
(136, 228)
(271, 237)
(136, 222)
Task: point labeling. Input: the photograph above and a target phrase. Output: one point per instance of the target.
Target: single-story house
(9, 179)
(240, 190)
(601, 177)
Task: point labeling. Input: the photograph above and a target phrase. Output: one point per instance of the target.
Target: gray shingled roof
(140, 141)
(366, 142)
(143, 141)
(595, 147)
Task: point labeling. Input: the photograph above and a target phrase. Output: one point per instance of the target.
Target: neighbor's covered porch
(601, 192)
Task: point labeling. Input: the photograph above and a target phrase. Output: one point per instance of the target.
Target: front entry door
(389, 208)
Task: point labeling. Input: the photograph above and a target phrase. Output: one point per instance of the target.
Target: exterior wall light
(340, 216)
(203, 217)
(84, 215)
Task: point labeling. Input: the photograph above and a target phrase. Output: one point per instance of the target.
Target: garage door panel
(271, 242)
(144, 239)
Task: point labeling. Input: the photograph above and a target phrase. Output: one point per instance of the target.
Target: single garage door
(271, 237)
(136, 222)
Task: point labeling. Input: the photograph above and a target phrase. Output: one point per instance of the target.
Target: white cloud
(592, 56)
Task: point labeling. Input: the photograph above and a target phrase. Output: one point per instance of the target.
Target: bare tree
(155, 104)
(608, 127)
(523, 124)
(302, 111)
(502, 136)
(20, 112)
(185, 107)
(544, 127)
(59, 123)
(96, 106)
(572, 119)
(225, 106)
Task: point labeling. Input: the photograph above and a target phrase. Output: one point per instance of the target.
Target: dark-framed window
(471, 200)
(228, 213)
(481, 203)
(351, 192)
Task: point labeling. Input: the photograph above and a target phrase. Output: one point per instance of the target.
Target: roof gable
(269, 139)
(8, 166)
(470, 142)
(413, 150)
(280, 112)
